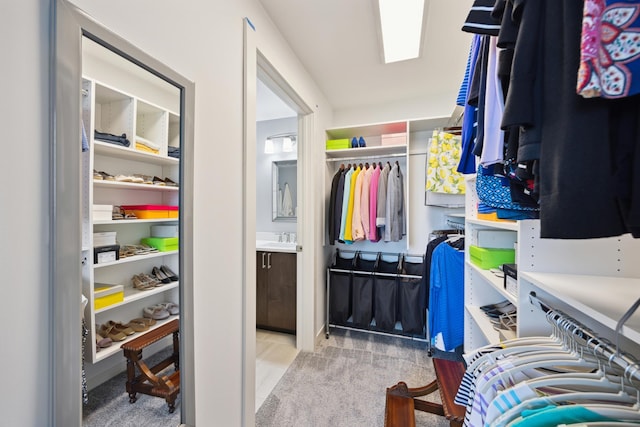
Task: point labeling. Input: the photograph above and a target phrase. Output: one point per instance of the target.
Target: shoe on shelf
(124, 178)
(137, 326)
(169, 182)
(155, 312)
(118, 326)
(160, 275)
(110, 332)
(354, 142)
(158, 181)
(136, 178)
(361, 142)
(167, 271)
(171, 307)
(142, 283)
(97, 175)
(107, 176)
(144, 321)
(102, 341)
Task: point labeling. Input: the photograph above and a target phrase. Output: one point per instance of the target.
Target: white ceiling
(337, 42)
(269, 106)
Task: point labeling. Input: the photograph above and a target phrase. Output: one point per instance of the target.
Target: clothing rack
(599, 346)
(377, 156)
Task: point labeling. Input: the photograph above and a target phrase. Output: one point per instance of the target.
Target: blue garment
(467, 164)
(464, 86)
(446, 295)
(554, 415)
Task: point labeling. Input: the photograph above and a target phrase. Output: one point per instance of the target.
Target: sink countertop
(270, 246)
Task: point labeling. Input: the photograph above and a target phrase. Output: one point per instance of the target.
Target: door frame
(68, 25)
(256, 62)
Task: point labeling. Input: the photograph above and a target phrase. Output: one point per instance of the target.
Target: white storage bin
(164, 230)
(104, 238)
(102, 212)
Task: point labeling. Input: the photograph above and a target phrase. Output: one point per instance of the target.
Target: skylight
(401, 28)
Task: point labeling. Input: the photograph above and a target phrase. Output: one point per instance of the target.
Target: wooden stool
(147, 382)
(402, 401)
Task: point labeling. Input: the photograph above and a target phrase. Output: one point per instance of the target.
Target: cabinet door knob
(269, 260)
(263, 264)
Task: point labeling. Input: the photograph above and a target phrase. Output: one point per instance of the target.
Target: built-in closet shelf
(136, 221)
(375, 129)
(115, 347)
(132, 294)
(495, 281)
(128, 153)
(379, 151)
(503, 225)
(604, 299)
(135, 258)
(483, 323)
(133, 186)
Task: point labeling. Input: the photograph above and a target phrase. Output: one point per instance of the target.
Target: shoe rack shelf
(115, 349)
(126, 101)
(594, 281)
(131, 295)
(134, 186)
(135, 258)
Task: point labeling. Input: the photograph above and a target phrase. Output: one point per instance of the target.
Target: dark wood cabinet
(276, 291)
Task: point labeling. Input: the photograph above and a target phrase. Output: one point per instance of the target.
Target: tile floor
(274, 353)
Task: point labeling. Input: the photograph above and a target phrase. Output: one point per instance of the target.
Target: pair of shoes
(358, 142)
(144, 282)
(160, 275)
(171, 307)
(164, 182)
(156, 312)
(97, 175)
(137, 326)
(145, 179)
(119, 327)
(170, 274)
(111, 333)
(102, 176)
(143, 321)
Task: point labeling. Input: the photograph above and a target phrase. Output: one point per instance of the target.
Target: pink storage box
(394, 139)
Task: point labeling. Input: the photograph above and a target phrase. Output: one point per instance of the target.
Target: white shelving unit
(594, 281)
(418, 132)
(120, 98)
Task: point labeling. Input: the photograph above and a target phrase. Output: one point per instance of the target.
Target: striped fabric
(479, 20)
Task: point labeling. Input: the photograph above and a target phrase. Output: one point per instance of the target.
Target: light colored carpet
(343, 383)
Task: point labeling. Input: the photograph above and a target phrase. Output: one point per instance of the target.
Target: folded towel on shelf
(143, 147)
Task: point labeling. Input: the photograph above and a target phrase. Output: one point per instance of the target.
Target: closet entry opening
(123, 127)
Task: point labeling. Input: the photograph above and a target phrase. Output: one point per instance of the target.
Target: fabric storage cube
(362, 302)
(339, 297)
(163, 244)
(411, 310)
(487, 258)
(385, 302)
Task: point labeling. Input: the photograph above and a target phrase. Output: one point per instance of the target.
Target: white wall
(24, 219)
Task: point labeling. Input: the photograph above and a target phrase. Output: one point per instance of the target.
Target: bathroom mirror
(284, 186)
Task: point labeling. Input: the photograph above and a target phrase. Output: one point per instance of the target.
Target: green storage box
(338, 144)
(164, 244)
(487, 258)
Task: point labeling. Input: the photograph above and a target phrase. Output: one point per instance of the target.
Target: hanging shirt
(493, 144)
(364, 201)
(334, 217)
(345, 204)
(381, 207)
(373, 203)
(357, 231)
(442, 161)
(348, 234)
(394, 214)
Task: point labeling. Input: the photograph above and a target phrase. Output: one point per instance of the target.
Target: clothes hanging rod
(398, 254)
(374, 273)
(595, 343)
(377, 156)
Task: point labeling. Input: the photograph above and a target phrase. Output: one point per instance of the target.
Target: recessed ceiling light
(401, 28)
